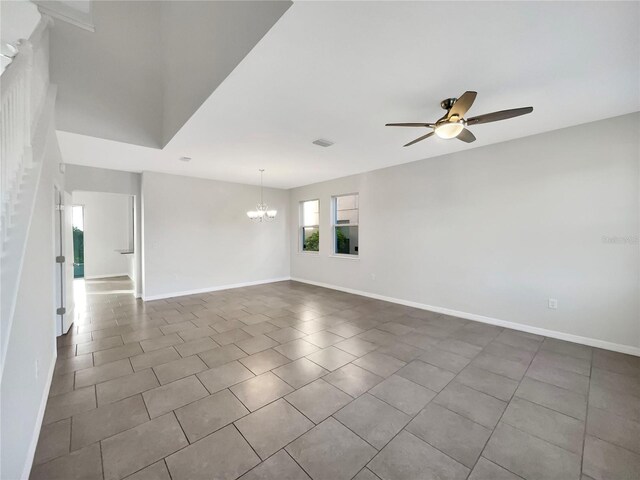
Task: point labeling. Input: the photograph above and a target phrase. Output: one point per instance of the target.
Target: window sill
(309, 253)
(348, 257)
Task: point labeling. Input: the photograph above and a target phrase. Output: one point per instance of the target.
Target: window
(345, 224)
(310, 225)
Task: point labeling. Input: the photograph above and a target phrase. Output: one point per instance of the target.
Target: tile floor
(291, 381)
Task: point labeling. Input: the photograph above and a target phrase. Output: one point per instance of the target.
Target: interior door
(64, 262)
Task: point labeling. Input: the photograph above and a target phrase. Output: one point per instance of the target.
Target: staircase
(26, 104)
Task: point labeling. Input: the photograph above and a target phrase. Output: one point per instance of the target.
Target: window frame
(302, 226)
(334, 224)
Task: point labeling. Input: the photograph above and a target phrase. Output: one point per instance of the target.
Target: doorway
(78, 241)
(104, 225)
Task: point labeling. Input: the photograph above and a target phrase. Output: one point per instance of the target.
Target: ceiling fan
(453, 125)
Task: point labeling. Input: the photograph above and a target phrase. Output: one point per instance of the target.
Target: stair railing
(15, 129)
(25, 97)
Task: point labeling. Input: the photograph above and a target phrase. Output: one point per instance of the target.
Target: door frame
(58, 253)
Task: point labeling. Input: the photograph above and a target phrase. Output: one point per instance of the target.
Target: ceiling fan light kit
(448, 130)
(453, 124)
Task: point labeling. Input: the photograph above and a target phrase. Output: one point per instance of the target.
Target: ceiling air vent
(322, 142)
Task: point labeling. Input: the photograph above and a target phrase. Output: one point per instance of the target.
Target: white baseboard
(110, 275)
(36, 431)
(161, 296)
(592, 342)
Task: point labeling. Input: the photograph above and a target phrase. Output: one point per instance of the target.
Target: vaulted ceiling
(145, 67)
(341, 70)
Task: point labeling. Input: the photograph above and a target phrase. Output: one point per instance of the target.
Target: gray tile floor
(291, 381)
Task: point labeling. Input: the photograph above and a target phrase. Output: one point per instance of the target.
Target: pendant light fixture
(262, 212)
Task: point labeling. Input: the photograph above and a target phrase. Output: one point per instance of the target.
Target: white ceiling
(341, 70)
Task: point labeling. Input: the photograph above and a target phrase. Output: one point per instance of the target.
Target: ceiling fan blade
(463, 104)
(466, 136)
(497, 116)
(419, 139)
(409, 125)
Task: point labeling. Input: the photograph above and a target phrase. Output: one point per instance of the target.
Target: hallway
(288, 380)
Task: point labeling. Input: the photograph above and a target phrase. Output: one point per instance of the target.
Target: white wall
(196, 235)
(31, 347)
(107, 227)
(93, 179)
(498, 230)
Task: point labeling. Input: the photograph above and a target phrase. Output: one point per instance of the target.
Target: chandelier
(262, 212)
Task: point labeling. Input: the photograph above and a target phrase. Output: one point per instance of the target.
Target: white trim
(334, 224)
(26, 471)
(98, 277)
(344, 255)
(301, 225)
(161, 296)
(592, 342)
(59, 10)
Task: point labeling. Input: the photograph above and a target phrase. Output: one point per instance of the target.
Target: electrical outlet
(553, 303)
(37, 369)
(373, 276)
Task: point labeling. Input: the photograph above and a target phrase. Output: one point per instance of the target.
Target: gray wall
(498, 230)
(210, 38)
(91, 179)
(196, 235)
(159, 44)
(109, 81)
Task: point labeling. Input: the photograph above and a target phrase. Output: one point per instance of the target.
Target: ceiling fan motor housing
(447, 103)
